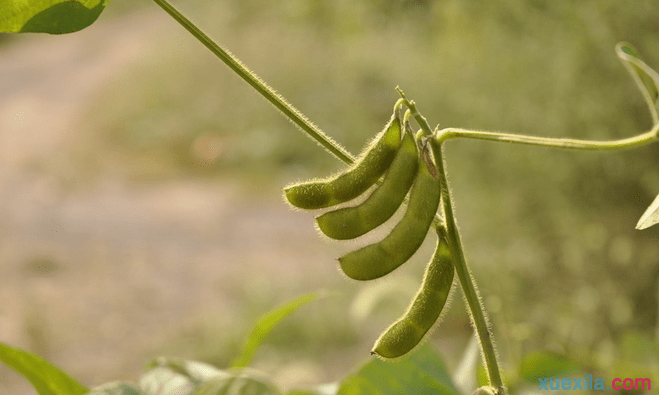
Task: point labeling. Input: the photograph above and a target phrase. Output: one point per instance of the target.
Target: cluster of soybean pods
(399, 162)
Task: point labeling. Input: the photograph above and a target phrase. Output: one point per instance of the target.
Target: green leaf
(423, 372)
(48, 16)
(465, 376)
(194, 370)
(542, 364)
(174, 376)
(245, 382)
(46, 378)
(481, 376)
(645, 77)
(322, 389)
(650, 216)
(163, 381)
(115, 388)
(266, 323)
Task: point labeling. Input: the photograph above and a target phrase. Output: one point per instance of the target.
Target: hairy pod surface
(379, 259)
(372, 163)
(350, 222)
(406, 333)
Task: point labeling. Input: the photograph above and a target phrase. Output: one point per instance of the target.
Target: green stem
(631, 142)
(420, 119)
(468, 283)
(251, 78)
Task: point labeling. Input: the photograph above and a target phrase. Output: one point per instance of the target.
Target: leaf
(374, 294)
(194, 370)
(48, 16)
(173, 376)
(466, 375)
(244, 382)
(542, 364)
(650, 216)
(481, 376)
(645, 77)
(266, 323)
(46, 378)
(115, 388)
(323, 389)
(421, 373)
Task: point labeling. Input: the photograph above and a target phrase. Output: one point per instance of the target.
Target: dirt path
(97, 280)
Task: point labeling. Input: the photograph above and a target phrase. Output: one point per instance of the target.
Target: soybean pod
(372, 163)
(379, 259)
(406, 333)
(351, 222)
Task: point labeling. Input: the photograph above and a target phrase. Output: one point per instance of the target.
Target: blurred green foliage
(549, 234)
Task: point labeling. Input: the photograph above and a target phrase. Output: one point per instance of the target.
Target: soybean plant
(430, 183)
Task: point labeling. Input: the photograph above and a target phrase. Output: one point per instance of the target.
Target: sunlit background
(140, 182)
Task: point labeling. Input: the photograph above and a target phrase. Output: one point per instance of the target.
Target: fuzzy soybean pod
(379, 259)
(406, 333)
(350, 222)
(372, 163)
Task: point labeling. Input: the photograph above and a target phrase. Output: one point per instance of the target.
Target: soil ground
(97, 279)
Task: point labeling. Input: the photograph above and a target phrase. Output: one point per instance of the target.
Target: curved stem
(420, 119)
(631, 142)
(467, 282)
(636, 67)
(451, 133)
(477, 310)
(266, 91)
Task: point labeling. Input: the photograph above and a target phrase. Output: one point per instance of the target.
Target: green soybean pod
(408, 331)
(350, 222)
(376, 260)
(374, 160)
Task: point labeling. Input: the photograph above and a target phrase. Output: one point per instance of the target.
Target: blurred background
(140, 182)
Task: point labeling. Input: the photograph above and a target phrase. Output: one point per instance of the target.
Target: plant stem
(478, 315)
(631, 142)
(467, 282)
(627, 54)
(420, 119)
(477, 310)
(266, 91)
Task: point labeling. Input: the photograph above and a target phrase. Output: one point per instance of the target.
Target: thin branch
(610, 145)
(266, 91)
